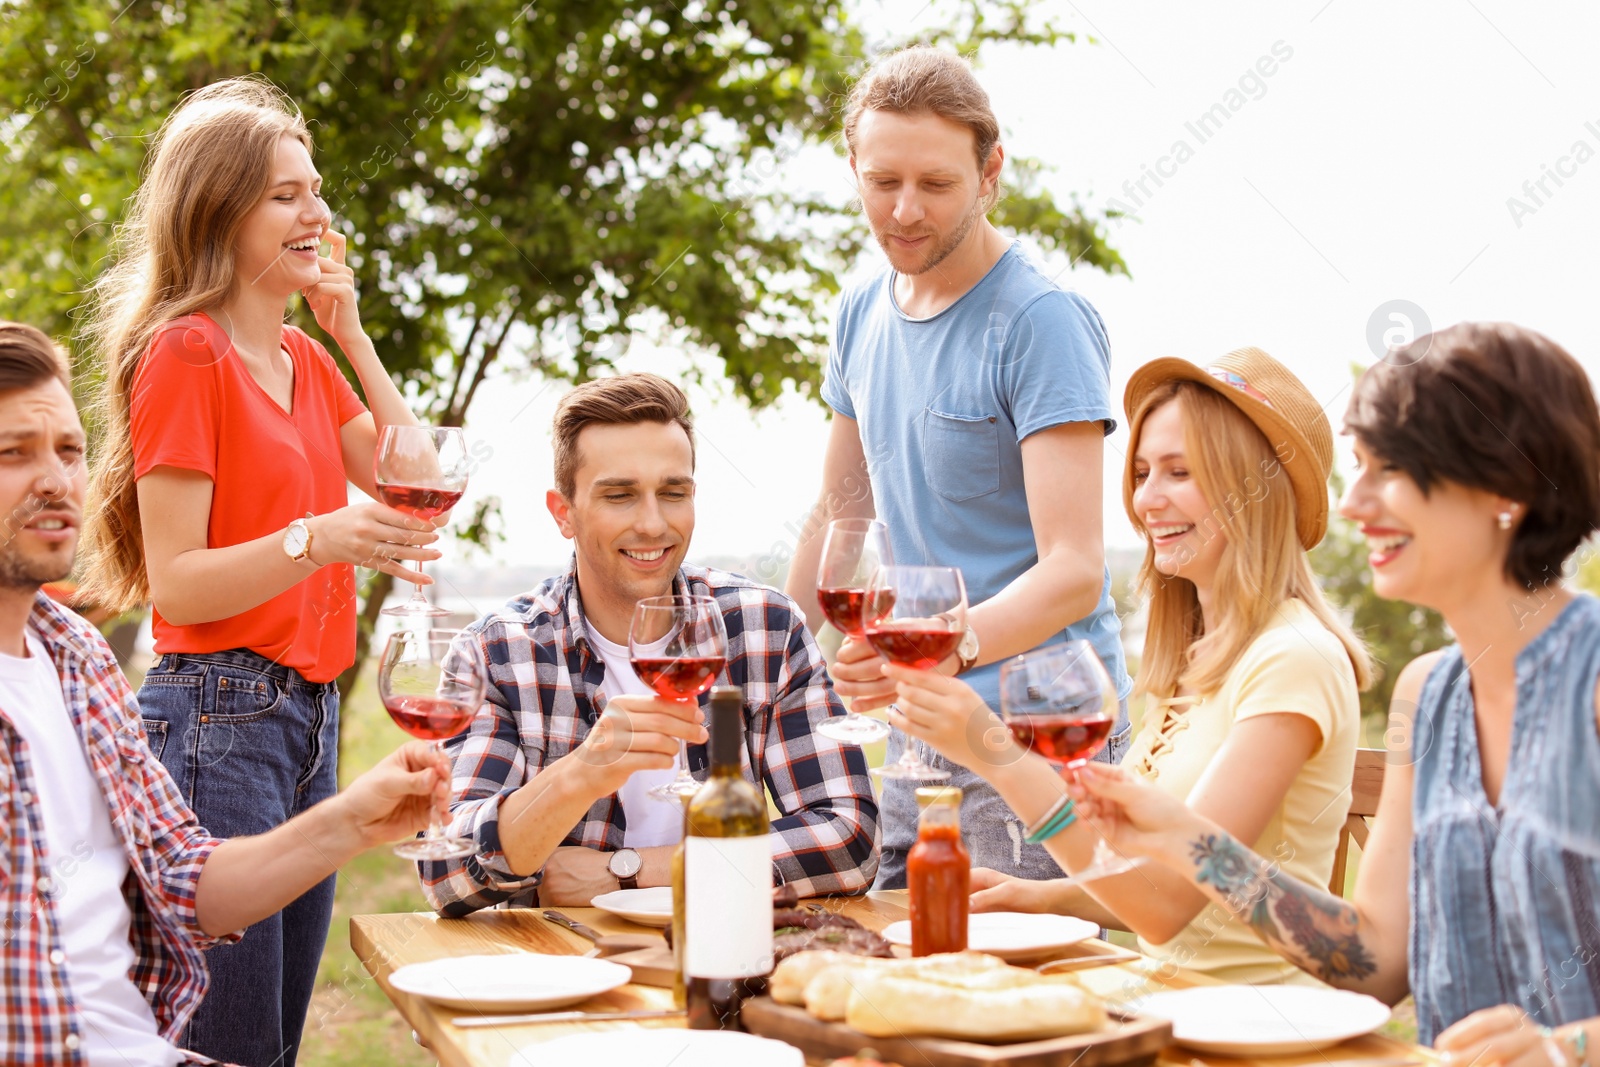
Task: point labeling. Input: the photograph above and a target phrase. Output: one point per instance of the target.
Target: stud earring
(1505, 520)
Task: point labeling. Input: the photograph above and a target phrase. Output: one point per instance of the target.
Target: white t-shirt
(650, 821)
(87, 864)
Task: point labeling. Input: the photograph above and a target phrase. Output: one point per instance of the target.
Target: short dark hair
(28, 358)
(623, 400)
(1500, 408)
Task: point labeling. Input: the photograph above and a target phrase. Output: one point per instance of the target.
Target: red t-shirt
(196, 407)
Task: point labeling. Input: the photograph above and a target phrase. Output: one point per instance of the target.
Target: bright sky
(1375, 163)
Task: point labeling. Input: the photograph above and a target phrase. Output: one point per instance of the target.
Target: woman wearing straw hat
(1479, 890)
(1252, 714)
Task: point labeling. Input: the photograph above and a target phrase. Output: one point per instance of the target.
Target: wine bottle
(727, 878)
(680, 995)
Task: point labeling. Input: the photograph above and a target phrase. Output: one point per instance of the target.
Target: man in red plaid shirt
(108, 888)
(553, 780)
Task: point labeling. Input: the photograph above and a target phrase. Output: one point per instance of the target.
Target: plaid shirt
(165, 847)
(543, 694)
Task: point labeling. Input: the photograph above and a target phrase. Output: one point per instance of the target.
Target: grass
(351, 1022)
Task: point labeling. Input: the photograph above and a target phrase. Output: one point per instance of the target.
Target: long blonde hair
(208, 166)
(1262, 563)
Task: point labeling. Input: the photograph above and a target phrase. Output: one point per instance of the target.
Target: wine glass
(431, 683)
(852, 551)
(1058, 701)
(915, 617)
(678, 646)
(422, 471)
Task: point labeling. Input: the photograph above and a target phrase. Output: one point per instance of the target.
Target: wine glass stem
(435, 827)
(416, 588)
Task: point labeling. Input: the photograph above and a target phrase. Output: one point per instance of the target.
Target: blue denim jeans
(250, 744)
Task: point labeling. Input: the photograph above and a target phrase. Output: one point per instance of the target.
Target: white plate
(660, 1048)
(647, 907)
(517, 981)
(1265, 1020)
(1011, 934)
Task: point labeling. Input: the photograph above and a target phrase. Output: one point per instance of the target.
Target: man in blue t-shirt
(970, 399)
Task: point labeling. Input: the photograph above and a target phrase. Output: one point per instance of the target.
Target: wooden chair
(1365, 786)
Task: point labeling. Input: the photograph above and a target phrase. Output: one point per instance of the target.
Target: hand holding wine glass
(1058, 702)
(421, 471)
(852, 552)
(678, 646)
(432, 684)
(915, 617)
(1133, 816)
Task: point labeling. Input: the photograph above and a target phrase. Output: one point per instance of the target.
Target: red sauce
(939, 875)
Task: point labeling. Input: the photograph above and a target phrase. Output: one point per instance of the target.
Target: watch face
(294, 539)
(626, 863)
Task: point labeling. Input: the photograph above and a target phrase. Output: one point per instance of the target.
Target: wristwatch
(297, 539)
(625, 864)
(968, 650)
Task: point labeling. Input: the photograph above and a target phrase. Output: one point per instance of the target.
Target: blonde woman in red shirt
(221, 498)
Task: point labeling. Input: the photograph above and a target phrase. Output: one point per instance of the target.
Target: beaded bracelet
(1577, 1041)
(1058, 820)
(1038, 824)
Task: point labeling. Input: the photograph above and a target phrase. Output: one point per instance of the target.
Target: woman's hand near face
(333, 299)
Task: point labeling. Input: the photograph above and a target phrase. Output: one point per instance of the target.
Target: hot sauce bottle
(938, 874)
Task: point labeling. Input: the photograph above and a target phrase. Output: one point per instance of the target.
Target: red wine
(849, 611)
(908, 647)
(417, 500)
(1062, 738)
(429, 718)
(682, 678)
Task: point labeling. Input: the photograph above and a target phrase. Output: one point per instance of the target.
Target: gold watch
(297, 539)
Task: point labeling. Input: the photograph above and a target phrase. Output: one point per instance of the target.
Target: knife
(468, 1021)
(607, 944)
(572, 924)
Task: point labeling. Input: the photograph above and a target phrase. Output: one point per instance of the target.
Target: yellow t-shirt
(1295, 666)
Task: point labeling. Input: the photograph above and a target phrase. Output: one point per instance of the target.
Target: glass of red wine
(432, 682)
(422, 471)
(852, 552)
(915, 617)
(678, 646)
(1059, 702)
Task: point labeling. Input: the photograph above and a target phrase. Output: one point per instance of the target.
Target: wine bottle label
(727, 906)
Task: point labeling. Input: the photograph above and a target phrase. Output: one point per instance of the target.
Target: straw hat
(1282, 408)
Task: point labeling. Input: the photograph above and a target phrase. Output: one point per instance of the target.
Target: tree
(528, 186)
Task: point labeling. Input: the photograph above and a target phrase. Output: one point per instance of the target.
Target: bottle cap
(929, 795)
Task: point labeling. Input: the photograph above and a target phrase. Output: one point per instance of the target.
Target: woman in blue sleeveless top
(1479, 891)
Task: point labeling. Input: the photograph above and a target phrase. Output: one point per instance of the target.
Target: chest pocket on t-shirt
(960, 454)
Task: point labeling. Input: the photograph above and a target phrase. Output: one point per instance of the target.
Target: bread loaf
(828, 993)
(992, 1006)
(794, 973)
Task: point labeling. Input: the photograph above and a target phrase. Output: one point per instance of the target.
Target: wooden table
(385, 942)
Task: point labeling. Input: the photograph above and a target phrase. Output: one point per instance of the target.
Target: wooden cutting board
(651, 966)
(1128, 1039)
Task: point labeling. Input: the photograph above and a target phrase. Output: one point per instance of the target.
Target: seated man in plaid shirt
(109, 889)
(552, 780)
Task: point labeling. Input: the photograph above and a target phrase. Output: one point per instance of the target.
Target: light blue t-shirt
(942, 406)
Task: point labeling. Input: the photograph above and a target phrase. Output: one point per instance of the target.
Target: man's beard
(19, 572)
(940, 254)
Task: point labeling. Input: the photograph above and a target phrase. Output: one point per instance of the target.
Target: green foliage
(1395, 632)
(527, 186)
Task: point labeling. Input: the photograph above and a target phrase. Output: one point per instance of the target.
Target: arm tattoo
(1310, 926)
